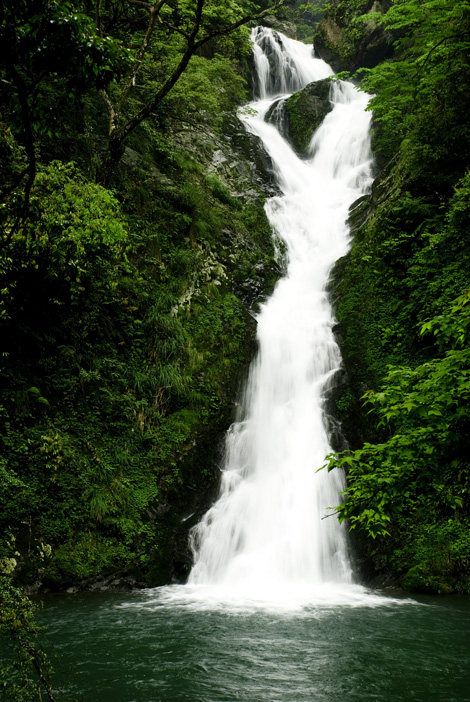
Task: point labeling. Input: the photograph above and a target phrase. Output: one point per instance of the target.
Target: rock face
(277, 115)
(306, 110)
(299, 116)
(245, 165)
(283, 26)
(243, 174)
(347, 45)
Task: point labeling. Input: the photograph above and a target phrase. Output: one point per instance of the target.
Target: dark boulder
(298, 117)
(283, 26)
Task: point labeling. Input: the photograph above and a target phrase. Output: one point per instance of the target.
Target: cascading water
(267, 529)
(305, 632)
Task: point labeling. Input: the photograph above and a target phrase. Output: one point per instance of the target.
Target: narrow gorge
(272, 609)
(234, 350)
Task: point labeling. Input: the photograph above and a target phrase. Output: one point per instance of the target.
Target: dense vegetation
(403, 308)
(133, 245)
(123, 310)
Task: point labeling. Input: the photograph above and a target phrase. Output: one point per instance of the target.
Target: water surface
(147, 647)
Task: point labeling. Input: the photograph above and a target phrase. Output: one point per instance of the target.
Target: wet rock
(283, 26)
(277, 115)
(111, 582)
(282, 76)
(299, 116)
(306, 110)
(243, 164)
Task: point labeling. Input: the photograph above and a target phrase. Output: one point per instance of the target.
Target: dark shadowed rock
(347, 45)
(277, 115)
(283, 26)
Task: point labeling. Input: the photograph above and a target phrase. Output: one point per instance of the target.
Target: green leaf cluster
(25, 670)
(426, 410)
(403, 308)
(421, 468)
(420, 95)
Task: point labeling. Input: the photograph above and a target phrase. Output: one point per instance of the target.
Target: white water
(266, 536)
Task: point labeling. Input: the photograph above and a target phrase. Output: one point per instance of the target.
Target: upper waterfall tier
(283, 66)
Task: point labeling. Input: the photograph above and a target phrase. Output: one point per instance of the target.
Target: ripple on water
(170, 645)
(303, 599)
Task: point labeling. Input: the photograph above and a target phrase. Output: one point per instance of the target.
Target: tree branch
(170, 82)
(154, 11)
(173, 28)
(436, 46)
(98, 16)
(193, 45)
(113, 115)
(119, 134)
(37, 661)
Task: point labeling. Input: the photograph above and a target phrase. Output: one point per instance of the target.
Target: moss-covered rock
(306, 110)
(298, 117)
(347, 43)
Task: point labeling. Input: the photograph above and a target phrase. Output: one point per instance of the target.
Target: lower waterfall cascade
(268, 529)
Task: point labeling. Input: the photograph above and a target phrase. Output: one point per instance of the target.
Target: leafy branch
(119, 132)
(425, 409)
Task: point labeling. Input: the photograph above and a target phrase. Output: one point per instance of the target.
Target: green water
(140, 648)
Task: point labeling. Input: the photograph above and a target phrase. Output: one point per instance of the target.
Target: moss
(88, 556)
(305, 111)
(118, 403)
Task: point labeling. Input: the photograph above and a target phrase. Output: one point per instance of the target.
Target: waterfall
(267, 528)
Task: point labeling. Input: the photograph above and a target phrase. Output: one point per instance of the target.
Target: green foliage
(25, 671)
(420, 95)
(63, 304)
(50, 54)
(348, 16)
(423, 464)
(408, 468)
(208, 89)
(123, 334)
(111, 320)
(90, 555)
(174, 35)
(222, 193)
(307, 18)
(46, 36)
(74, 230)
(437, 557)
(426, 410)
